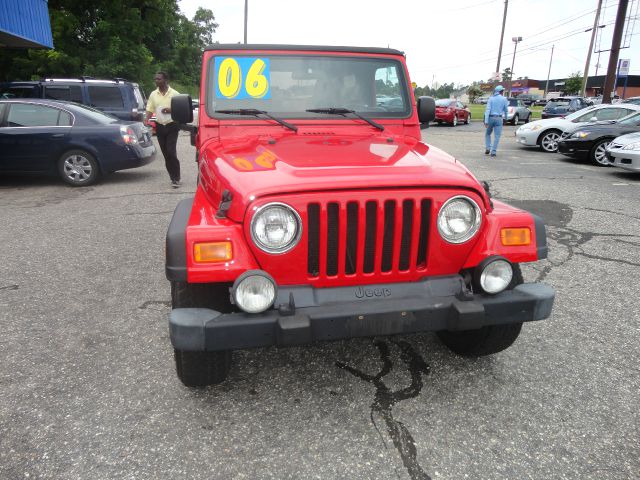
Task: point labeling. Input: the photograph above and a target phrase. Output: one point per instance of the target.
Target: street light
(515, 46)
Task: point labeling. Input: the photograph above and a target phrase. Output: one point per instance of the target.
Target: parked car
(562, 106)
(117, 97)
(73, 141)
(624, 152)
(528, 99)
(590, 141)
(452, 111)
(363, 230)
(595, 100)
(546, 133)
(634, 100)
(482, 100)
(517, 111)
(541, 102)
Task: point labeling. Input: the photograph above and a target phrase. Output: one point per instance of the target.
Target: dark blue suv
(117, 97)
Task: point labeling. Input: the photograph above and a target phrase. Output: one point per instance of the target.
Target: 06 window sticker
(238, 78)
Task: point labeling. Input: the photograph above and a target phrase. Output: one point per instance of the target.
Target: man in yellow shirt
(159, 103)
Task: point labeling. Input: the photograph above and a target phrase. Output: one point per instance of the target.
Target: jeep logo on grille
(362, 292)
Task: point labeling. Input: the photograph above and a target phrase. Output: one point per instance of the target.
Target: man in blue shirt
(496, 111)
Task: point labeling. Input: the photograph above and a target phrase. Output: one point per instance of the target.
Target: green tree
(474, 92)
(573, 84)
(116, 38)
(506, 75)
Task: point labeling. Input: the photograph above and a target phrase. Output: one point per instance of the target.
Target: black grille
(383, 236)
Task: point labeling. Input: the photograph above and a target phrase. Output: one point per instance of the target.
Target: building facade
(25, 24)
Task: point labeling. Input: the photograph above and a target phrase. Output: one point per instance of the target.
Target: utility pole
(546, 88)
(615, 51)
(513, 61)
(504, 21)
(593, 37)
(246, 14)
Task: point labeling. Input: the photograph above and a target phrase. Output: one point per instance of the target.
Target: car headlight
(579, 134)
(276, 228)
(254, 291)
(459, 219)
(494, 274)
(632, 146)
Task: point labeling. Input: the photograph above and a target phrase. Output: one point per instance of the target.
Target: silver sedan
(546, 133)
(624, 152)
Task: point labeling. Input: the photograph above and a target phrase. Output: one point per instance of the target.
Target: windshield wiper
(255, 113)
(344, 112)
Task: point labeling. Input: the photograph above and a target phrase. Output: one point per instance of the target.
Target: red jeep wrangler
(321, 215)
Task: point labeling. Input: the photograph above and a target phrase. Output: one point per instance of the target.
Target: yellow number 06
(230, 79)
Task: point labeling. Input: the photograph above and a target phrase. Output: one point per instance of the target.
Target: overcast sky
(444, 40)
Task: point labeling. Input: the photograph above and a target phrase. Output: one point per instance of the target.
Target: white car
(546, 133)
(624, 152)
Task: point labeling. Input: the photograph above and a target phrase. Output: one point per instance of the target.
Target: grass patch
(477, 112)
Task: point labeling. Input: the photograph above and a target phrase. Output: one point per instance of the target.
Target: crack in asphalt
(10, 287)
(385, 399)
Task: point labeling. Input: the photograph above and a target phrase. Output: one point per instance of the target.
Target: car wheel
(528, 119)
(597, 155)
(468, 119)
(201, 368)
(486, 340)
(78, 168)
(549, 141)
(454, 121)
(515, 119)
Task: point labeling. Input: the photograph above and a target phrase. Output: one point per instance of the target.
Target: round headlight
(254, 291)
(495, 275)
(276, 228)
(459, 219)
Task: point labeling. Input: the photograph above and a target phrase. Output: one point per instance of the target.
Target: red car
(319, 216)
(452, 111)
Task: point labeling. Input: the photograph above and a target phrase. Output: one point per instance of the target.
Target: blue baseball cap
(499, 88)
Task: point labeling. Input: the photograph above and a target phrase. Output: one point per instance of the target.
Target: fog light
(494, 274)
(254, 291)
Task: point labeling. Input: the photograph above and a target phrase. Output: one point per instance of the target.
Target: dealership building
(628, 86)
(25, 24)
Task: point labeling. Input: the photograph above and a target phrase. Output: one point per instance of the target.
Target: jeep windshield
(304, 86)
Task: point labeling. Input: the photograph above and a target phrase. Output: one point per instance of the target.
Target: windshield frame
(405, 94)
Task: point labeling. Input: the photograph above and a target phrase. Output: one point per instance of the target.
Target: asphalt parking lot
(88, 389)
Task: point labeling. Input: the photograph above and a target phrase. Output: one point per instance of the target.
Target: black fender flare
(176, 242)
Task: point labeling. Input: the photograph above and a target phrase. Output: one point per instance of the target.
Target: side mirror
(182, 108)
(426, 109)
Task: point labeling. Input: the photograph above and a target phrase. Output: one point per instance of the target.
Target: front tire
(549, 141)
(597, 155)
(201, 368)
(486, 340)
(516, 119)
(454, 122)
(78, 168)
(468, 119)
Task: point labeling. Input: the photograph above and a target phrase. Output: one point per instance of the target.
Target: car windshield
(443, 103)
(513, 102)
(290, 85)
(575, 115)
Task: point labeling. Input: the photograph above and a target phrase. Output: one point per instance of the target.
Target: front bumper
(527, 137)
(627, 159)
(306, 314)
(574, 148)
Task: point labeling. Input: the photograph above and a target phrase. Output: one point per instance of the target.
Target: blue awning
(25, 24)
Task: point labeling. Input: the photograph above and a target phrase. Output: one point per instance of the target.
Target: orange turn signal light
(212, 252)
(515, 236)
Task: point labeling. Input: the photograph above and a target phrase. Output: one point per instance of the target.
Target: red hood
(254, 168)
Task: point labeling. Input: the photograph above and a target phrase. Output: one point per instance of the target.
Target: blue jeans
(495, 126)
